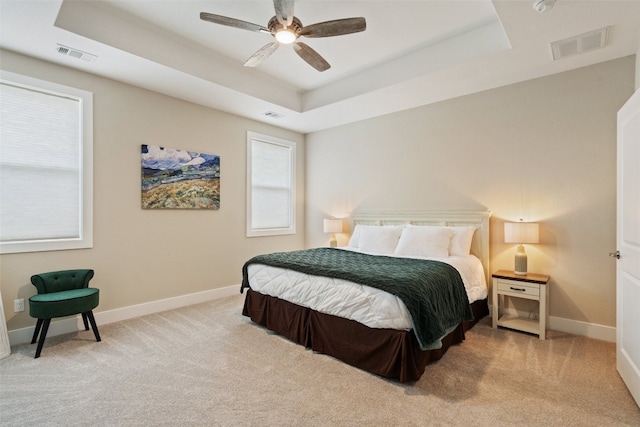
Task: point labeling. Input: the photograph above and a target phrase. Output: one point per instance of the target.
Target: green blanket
(432, 291)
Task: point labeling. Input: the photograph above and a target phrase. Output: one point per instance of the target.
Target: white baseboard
(74, 324)
(575, 327)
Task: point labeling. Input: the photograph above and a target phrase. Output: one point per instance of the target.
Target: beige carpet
(206, 365)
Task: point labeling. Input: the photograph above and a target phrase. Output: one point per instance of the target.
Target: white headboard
(478, 219)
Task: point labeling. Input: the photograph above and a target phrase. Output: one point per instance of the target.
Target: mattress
(364, 304)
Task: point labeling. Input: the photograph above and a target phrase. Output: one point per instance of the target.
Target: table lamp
(520, 233)
(333, 225)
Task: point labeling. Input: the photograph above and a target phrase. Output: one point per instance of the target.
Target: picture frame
(179, 179)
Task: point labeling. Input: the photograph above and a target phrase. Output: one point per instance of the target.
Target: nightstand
(530, 286)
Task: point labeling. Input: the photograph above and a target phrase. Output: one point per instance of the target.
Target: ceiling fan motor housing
(274, 26)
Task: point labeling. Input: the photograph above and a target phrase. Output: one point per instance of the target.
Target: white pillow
(379, 239)
(427, 241)
(461, 241)
(354, 241)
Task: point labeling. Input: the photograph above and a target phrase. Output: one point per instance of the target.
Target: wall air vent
(65, 50)
(580, 44)
(273, 115)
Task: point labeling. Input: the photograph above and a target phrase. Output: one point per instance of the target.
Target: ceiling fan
(287, 28)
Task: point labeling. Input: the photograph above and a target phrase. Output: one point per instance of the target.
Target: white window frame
(85, 226)
(291, 146)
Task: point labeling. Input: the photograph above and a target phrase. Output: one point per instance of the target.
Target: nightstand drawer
(518, 289)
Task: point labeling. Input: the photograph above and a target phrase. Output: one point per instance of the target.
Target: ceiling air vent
(273, 115)
(65, 50)
(580, 44)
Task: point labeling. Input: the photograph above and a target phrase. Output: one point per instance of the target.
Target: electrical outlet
(18, 305)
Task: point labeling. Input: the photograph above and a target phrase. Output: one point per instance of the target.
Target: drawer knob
(517, 289)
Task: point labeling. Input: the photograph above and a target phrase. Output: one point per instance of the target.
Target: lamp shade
(521, 232)
(333, 225)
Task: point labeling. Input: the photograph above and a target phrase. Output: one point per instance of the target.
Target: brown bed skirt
(386, 352)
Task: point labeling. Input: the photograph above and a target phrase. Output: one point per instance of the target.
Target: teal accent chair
(60, 294)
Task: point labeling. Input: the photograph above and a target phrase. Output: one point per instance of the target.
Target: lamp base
(521, 262)
(333, 243)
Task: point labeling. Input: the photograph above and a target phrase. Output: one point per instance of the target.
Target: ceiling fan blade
(312, 57)
(257, 58)
(232, 22)
(336, 27)
(284, 11)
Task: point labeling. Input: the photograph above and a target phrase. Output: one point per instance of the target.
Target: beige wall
(543, 150)
(147, 255)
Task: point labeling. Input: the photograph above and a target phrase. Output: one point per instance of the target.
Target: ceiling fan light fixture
(542, 6)
(286, 36)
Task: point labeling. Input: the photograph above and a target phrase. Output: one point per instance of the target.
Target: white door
(628, 241)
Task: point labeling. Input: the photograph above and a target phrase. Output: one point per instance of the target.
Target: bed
(375, 327)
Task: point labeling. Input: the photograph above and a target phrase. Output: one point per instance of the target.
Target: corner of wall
(637, 70)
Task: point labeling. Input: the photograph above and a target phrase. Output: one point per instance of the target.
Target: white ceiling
(413, 52)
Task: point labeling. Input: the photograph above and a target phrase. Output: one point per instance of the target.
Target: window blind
(271, 177)
(41, 165)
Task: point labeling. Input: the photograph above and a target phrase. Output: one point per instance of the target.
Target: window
(270, 186)
(46, 165)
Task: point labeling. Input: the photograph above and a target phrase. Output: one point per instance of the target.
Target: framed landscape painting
(179, 179)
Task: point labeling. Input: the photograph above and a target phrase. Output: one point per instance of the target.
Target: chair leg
(37, 331)
(86, 323)
(93, 325)
(43, 335)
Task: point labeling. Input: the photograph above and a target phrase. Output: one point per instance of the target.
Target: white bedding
(369, 306)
